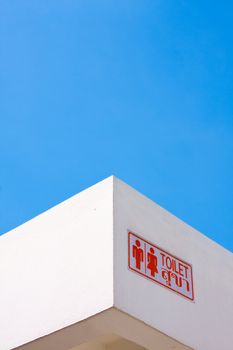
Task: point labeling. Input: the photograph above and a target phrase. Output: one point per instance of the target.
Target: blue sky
(139, 89)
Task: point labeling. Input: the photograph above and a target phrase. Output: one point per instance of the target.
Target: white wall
(57, 269)
(206, 323)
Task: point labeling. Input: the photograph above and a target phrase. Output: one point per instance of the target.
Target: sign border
(147, 277)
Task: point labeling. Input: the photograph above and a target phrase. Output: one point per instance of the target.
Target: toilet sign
(161, 267)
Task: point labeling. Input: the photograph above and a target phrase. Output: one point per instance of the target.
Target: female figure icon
(152, 262)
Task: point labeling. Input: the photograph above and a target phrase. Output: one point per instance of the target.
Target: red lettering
(168, 262)
(186, 271)
(181, 271)
(163, 256)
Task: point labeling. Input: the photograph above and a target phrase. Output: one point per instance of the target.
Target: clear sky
(139, 89)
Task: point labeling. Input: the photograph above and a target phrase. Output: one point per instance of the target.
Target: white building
(110, 269)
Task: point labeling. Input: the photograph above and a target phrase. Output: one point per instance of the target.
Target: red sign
(161, 267)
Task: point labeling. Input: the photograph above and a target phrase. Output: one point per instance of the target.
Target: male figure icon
(138, 254)
(152, 262)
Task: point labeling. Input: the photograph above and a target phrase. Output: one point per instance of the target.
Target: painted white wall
(57, 269)
(71, 263)
(206, 323)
